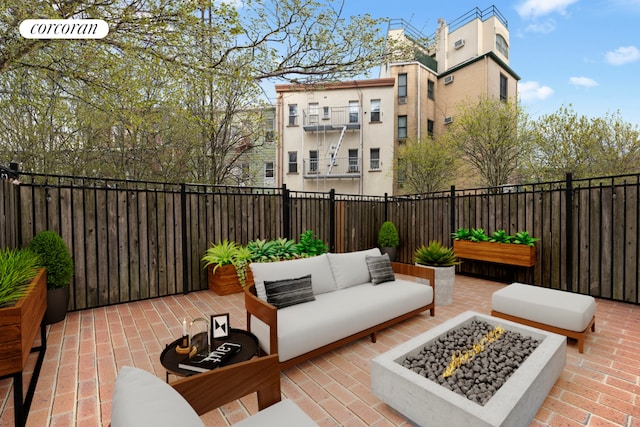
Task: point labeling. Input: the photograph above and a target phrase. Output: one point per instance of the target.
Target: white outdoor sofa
(337, 304)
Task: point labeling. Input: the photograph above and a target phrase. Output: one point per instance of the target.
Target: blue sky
(580, 52)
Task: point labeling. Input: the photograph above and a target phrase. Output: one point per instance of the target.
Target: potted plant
(388, 239)
(56, 259)
(226, 263)
(499, 247)
(309, 246)
(23, 299)
(443, 261)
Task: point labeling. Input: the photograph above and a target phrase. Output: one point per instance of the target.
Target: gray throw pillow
(287, 292)
(380, 269)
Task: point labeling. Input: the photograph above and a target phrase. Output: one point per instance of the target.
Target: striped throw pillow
(380, 269)
(287, 292)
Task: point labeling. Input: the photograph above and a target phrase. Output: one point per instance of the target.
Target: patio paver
(598, 388)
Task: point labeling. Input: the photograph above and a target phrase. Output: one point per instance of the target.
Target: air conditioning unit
(448, 80)
(402, 100)
(448, 120)
(458, 44)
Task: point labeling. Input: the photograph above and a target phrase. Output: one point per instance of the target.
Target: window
(504, 83)
(313, 161)
(502, 46)
(375, 110)
(402, 127)
(293, 162)
(402, 85)
(353, 111)
(325, 113)
(268, 169)
(431, 89)
(353, 160)
(430, 127)
(293, 114)
(270, 134)
(374, 156)
(314, 113)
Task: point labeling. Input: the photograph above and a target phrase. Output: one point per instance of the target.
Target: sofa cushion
(286, 292)
(142, 399)
(380, 269)
(318, 266)
(282, 413)
(350, 269)
(336, 315)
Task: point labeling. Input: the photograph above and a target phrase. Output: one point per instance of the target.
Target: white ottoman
(555, 311)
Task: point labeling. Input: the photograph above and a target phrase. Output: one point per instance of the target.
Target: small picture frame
(220, 326)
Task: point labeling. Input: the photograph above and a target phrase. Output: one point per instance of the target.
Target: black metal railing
(137, 240)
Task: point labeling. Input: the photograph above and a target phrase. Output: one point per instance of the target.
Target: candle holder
(183, 347)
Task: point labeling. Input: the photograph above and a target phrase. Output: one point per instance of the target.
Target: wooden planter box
(501, 253)
(20, 324)
(225, 280)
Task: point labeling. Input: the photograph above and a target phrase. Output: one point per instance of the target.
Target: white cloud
(543, 28)
(533, 91)
(535, 8)
(583, 82)
(623, 55)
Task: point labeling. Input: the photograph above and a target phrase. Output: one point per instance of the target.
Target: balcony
(343, 167)
(332, 119)
(84, 353)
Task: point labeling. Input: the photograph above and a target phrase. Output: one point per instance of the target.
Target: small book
(216, 358)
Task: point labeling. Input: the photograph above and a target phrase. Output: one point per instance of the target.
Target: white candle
(184, 327)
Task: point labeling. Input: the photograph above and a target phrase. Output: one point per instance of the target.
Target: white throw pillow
(350, 269)
(142, 399)
(318, 266)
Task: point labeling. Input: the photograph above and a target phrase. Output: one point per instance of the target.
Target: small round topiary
(388, 235)
(55, 257)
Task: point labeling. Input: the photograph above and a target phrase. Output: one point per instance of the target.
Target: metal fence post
(185, 248)
(569, 231)
(286, 213)
(452, 212)
(332, 220)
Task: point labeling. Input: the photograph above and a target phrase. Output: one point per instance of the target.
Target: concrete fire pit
(426, 403)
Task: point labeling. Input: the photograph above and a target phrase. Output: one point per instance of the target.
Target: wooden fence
(137, 240)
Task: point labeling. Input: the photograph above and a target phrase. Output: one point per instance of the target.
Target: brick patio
(598, 388)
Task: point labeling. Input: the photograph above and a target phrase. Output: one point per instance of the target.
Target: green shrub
(55, 257)
(388, 235)
(435, 254)
(500, 236)
(310, 246)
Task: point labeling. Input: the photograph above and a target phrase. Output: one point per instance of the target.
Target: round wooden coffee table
(170, 359)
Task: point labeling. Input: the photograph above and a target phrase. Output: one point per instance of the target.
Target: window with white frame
(374, 159)
(313, 161)
(314, 113)
(293, 114)
(353, 111)
(293, 162)
(268, 169)
(353, 160)
(325, 113)
(375, 110)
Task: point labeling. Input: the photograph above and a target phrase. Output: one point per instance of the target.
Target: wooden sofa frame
(579, 336)
(269, 315)
(210, 390)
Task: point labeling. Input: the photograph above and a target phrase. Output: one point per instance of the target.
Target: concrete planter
(445, 278)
